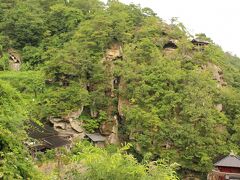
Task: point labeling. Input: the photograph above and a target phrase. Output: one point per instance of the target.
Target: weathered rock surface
(122, 102)
(114, 52)
(113, 138)
(216, 72)
(75, 114)
(14, 60)
(69, 125)
(106, 128)
(77, 126)
(110, 127)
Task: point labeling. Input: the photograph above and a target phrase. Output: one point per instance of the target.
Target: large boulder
(77, 126)
(69, 125)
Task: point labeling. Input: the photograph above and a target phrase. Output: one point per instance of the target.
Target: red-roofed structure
(227, 168)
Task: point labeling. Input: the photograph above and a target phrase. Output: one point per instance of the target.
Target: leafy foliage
(165, 99)
(101, 164)
(23, 24)
(14, 157)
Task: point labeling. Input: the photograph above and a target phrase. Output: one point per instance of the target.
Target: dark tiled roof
(37, 132)
(47, 135)
(199, 41)
(55, 141)
(96, 137)
(229, 161)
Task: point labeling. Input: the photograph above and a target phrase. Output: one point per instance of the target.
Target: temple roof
(47, 135)
(198, 41)
(96, 137)
(229, 161)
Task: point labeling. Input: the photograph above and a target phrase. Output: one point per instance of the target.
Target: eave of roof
(96, 137)
(229, 161)
(199, 41)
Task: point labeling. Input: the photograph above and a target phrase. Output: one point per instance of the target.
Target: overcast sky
(218, 19)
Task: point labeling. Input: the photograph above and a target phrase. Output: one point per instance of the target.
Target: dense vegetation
(170, 97)
(88, 162)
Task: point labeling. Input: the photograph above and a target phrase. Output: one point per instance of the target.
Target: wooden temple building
(227, 168)
(45, 137)
(97, 139)
(199, 42)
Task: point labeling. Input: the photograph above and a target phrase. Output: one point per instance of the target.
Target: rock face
(114, 52)
(75, 114)
(171, 44)
(14, 60)
(110, 127)
(69, 125)
(168, 51)
(121, 101)
(106, 128)
(170, 47)
(217, 73)
(113, 138)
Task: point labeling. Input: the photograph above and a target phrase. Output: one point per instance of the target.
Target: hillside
(115, 72)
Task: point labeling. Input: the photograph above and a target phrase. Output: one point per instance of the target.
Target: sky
(218, 19)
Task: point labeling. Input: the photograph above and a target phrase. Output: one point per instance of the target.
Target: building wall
(100, 144)
(229, 169)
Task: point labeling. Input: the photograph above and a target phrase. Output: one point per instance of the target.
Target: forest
(164, 103)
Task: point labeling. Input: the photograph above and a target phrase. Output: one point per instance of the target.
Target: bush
(99, 164)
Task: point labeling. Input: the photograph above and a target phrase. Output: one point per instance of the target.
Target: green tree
(23, 24)
(63, 19)
(15, 160)
(101, 164)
